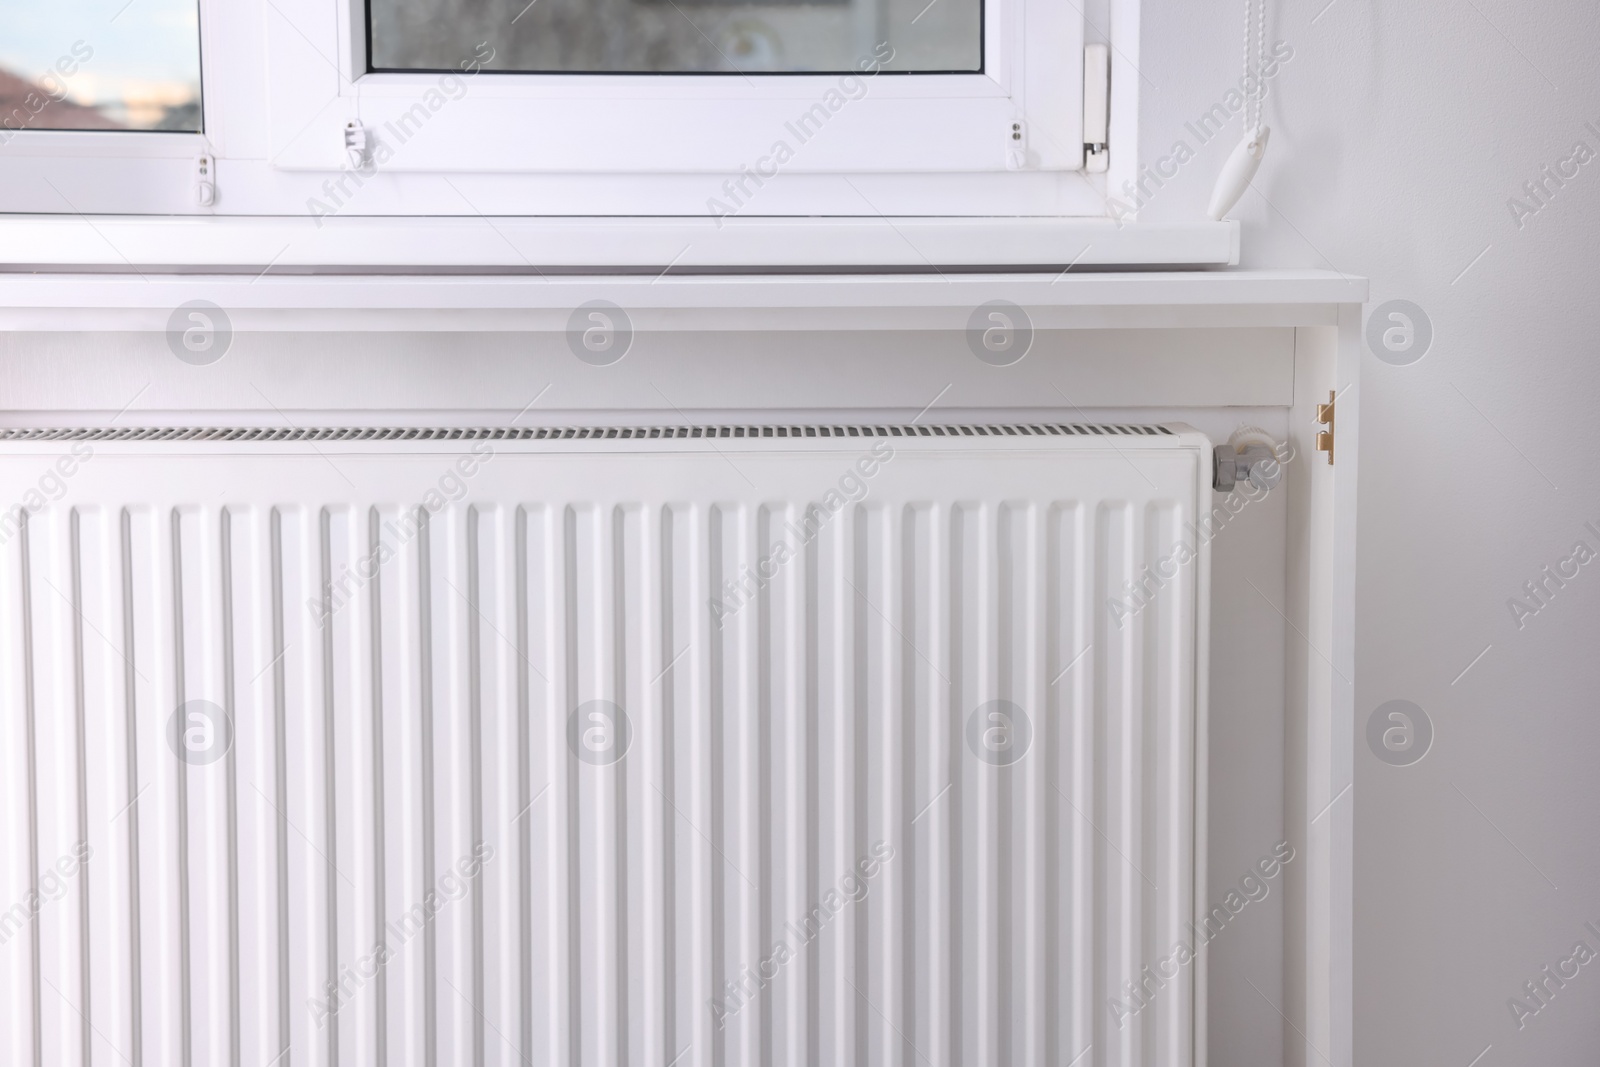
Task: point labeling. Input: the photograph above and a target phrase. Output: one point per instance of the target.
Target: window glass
(678, 36)
(100, 65)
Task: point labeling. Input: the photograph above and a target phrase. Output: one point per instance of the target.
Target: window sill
(566, 245)
(793, 303)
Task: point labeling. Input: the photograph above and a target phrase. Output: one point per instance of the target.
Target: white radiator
(749, 746)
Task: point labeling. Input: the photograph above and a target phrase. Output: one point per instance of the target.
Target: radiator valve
(1255, 463)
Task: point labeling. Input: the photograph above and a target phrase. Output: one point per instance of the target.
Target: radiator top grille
(574, 433)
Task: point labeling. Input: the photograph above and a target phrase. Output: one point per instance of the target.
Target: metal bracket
(1325, 417)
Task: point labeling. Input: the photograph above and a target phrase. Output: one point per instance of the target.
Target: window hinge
(1325, 417)
(205, 181)
(1096, 108)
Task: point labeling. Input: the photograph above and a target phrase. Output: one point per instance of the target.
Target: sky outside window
(100, 64)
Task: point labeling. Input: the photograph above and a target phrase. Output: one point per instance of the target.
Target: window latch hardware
(205, 181)
(1325, 417)
(1096, 108)
(357, 143)
(1017, 146)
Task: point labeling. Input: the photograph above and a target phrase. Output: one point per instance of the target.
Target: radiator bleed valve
(1250, 460)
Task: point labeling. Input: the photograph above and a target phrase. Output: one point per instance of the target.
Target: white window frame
(681, 124)
(283, 79)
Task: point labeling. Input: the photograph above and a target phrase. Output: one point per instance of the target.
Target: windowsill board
(566, 244)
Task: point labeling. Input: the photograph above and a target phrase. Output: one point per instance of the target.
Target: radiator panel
(425, 795)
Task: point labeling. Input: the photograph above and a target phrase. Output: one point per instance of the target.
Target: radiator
(661, 746)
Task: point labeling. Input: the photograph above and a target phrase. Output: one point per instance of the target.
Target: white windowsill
(760, 302)
(625, 245)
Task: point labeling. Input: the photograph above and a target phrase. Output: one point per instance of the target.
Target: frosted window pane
(677, 36)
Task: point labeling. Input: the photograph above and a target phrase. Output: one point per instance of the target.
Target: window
(670, 107)
(100, 65)
(686, 108)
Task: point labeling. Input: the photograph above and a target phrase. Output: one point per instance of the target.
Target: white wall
(1399, 131)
